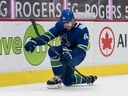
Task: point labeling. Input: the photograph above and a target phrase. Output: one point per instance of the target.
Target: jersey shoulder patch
(81, 26)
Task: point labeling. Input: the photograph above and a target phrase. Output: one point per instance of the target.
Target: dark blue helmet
(66, 16)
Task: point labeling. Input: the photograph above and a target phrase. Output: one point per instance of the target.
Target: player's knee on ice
(68, 81)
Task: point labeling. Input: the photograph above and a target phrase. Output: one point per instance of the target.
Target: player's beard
(69, 25)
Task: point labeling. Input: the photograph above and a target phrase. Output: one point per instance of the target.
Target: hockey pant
(67, 73)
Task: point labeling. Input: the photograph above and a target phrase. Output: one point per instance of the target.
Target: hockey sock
(56, 67)
(78, 79)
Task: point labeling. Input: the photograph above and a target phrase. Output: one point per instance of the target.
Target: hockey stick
(37, 33)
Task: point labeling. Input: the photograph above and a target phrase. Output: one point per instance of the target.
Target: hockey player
(74, 43)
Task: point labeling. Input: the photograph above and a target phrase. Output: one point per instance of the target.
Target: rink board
(107, 54)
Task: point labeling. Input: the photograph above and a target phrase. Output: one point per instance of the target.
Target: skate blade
(57, 86)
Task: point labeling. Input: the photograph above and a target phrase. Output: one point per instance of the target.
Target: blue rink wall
(107, 54)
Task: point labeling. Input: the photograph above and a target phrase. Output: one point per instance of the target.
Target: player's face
(68, 25)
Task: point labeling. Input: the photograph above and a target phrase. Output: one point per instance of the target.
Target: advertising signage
(5, 9)
(45, 9)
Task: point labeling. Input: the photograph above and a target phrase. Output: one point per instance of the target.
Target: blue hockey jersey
(77, 37)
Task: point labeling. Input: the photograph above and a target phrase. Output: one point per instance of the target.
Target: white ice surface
(104, 86)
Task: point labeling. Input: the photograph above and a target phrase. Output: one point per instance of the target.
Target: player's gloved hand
(66, 57)
(30, 45)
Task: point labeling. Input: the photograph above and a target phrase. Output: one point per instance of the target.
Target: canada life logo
(106, 41)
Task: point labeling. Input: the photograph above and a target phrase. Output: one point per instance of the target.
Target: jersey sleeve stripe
(48, 34)
(84, 47)
(69, 54)
(51, 34)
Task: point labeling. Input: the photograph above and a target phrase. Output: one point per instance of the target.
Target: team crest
(64, 40)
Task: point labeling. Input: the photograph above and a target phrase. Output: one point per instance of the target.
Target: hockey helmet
(66, 16)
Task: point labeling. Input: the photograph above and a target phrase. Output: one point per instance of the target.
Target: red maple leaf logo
(106, 41)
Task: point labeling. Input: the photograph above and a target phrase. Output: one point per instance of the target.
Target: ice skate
(54, 83)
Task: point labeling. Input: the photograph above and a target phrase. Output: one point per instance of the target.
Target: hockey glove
(30, 45)
(66, 57)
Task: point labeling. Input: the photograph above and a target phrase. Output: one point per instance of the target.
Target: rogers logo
(106, 41)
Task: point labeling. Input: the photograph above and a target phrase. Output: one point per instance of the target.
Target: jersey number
(85, 36)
